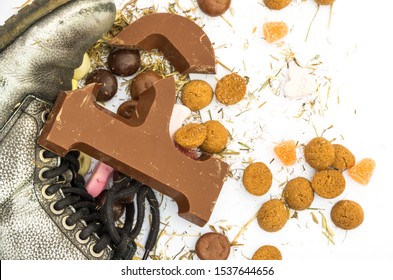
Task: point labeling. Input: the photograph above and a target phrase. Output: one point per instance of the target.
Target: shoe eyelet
(42, 157)
(44, 115)
(94, 254)
(54, 211)
(64, 223)
(79, 239)
(40, 174)
(44, 194)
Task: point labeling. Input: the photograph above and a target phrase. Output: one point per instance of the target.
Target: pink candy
(99, 179)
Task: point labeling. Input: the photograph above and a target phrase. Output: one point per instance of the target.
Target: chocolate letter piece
(140, 148)
(181, 41)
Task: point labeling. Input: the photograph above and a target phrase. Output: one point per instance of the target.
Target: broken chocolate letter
(144, 151)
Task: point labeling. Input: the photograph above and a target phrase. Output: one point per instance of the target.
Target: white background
(356, 53)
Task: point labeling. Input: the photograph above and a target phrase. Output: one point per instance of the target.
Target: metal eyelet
(42, 157)
(54, 211)
(94, 254)
(44, 194)
(79, 239)
(40, 174)
(44, 115)
(64, 223)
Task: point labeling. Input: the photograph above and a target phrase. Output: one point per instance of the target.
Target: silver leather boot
(45, 210)
(42, 199)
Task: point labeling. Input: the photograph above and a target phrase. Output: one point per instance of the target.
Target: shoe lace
(101, 221)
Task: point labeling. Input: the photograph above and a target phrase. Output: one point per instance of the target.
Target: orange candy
(274, 31)
(362, 171)
(286, 152)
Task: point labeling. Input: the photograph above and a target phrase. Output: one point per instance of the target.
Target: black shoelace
(101, 222)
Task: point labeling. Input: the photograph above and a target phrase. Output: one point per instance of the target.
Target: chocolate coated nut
(124, 62)
(213, 246)
(108, 81)
(127, 109)
(214, 7)
(142, 82)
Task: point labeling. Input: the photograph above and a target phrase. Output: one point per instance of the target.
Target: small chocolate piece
(127, 109)
(142, 82)
(181, 40)
(213, 246)
(124, 62)
(152, 158)
(108, 81)
(214, 8)
(118, 206)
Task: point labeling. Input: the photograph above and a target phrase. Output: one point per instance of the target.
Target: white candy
(179, 114)
(300, 84)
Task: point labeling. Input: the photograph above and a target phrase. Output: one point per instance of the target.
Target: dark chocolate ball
(142, 82)
(214, 8)
(108, 83)
(127, 109)
(124, 62)
(118, 206)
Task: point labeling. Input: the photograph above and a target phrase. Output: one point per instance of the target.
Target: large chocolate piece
(144, 151)
(181, 41)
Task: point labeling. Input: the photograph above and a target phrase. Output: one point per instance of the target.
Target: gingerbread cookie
(191, 135)
(347, 214)
(216, 137)
(267, 252)
(276, 4)
(257, 178)
(344, 159)
(213, 246)
(298, 193)
(328, 183)
(319, 153)
(196, 95)
(231, 89)
(325, 2)
(273, 215)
